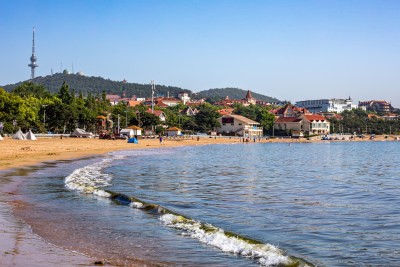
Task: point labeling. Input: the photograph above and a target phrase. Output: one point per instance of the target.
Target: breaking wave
(90, 179)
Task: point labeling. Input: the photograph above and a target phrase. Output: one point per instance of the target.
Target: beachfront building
(174, 131)
(239, 125)
(337, 105)
(311, 124)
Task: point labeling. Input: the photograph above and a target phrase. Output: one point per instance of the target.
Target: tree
(207, 118)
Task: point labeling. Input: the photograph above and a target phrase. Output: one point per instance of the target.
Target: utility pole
(152, 96)
(44, 116)
(126, 118)
(118, 124)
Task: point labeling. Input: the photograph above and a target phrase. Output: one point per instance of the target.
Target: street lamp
(44, 116)
(179, 117)
(126, 118)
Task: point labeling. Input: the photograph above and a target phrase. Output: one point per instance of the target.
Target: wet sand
(18, 245)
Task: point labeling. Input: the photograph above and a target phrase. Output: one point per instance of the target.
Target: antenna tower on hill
(33, 58)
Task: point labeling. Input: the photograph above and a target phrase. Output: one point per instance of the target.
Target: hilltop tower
(33, 64)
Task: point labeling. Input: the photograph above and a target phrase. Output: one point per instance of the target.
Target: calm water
(328, 204)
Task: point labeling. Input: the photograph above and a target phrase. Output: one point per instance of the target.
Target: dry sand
(18, 245)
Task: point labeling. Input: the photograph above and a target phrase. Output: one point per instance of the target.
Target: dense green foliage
(357, 121)
(214, 95)
(96, 85)
(257, 113)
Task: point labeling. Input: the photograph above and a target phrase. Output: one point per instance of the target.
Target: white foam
(137, 205)
(266, 254)
(90, 178)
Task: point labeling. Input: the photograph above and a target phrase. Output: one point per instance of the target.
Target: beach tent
(19, 135)
(1, 137)
(81, 133)
(30, 136)
(133, 140)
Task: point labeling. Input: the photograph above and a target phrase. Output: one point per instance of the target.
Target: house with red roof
(311, 124)
(289, 111)
(159, 113)
(246, 101)
(226, 111)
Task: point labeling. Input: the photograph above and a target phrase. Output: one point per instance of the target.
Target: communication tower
(33, 64)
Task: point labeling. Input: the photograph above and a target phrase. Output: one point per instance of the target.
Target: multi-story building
(239, 125)
(289, 111)
(311, 124)
(327, 105)
(376, 105)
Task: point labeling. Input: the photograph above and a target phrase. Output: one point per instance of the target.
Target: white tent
(19, 135)
(81, 133)
(30, 136)
(1, 137)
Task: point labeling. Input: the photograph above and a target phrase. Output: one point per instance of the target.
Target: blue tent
(133, 140)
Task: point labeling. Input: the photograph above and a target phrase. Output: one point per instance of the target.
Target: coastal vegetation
(32, 106)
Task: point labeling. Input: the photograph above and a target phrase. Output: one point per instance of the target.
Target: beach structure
(131, 131)
(81, 133)
(239, 125)
(174, 131)
(19, 135)
(1, 138)
(30, 136)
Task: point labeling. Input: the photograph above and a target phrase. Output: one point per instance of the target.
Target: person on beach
(160, 140)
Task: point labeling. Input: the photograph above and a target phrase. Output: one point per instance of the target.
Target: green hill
(86, 84)
(233, 93)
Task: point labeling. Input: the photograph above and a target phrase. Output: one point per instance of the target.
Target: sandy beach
(18, 245)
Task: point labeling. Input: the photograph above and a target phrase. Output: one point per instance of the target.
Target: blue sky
(292, 50)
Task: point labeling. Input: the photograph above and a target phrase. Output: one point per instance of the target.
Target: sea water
(269, 204)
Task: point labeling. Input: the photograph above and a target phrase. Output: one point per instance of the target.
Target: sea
(252, 204)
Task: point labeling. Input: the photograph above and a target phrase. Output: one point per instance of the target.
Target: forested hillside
(96, 85)
(233, 93)
(86, 84)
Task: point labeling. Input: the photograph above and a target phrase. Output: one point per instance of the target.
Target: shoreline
(19, 244)
(21, 153)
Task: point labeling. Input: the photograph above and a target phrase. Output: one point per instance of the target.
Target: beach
(19, 245)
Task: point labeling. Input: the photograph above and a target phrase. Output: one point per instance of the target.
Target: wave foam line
(90, 179)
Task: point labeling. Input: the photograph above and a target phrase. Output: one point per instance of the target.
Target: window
(227, 120)
(240, 124)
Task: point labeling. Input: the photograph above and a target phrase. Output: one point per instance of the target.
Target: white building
(327, 105)
(184, 97)
(239, 125)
